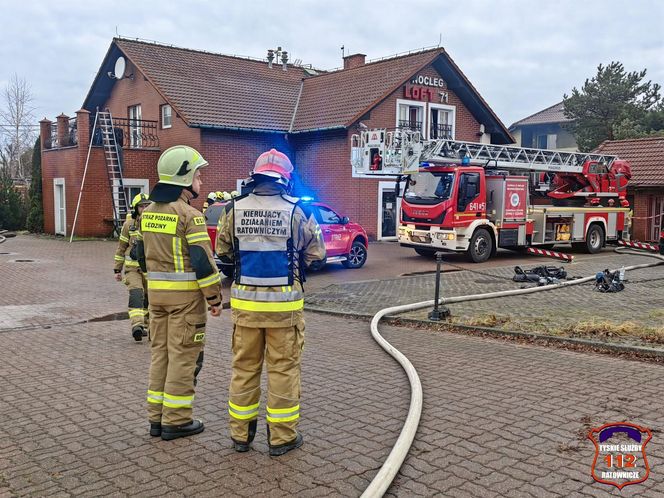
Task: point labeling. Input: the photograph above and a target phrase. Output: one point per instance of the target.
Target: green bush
(35, 221)
(12, 206)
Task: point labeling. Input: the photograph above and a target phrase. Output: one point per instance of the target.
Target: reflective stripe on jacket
(170, 231)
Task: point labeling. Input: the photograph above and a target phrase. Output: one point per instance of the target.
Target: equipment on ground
(542, 275)
(610, 281)
(475, 197)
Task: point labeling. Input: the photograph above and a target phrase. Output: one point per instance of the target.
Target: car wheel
(317, 265)
(357, 255)
(481, 246)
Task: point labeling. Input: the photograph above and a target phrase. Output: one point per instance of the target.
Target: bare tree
(17, 126)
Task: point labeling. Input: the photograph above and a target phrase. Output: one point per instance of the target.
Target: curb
(532, 336)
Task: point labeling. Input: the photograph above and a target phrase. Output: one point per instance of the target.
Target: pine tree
(12, 205)
(611, 101)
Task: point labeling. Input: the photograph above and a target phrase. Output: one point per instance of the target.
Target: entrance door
(59, 198)
(389, 208)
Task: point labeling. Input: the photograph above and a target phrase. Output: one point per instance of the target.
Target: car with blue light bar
(346, 242)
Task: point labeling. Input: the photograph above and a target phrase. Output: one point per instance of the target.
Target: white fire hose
(393, 462)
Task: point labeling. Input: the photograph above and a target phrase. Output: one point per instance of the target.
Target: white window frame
(413, 103)
(382, 187)
(135, 138)
(444, 107)
(142, 183)
(170, 116)
(56, 211)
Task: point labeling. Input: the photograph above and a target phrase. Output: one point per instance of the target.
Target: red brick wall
(644, 216)
(127, 92)
(232, 155)
(96, 209)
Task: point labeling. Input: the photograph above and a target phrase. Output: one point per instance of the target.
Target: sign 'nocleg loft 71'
(426, 88)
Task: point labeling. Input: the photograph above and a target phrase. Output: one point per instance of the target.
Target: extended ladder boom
(404, 152)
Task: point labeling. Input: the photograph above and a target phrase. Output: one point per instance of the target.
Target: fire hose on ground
(394, 460)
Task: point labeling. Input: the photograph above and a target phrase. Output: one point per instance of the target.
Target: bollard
(438, 312)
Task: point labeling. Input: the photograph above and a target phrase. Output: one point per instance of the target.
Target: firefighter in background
(134, 278)
(211, 199)
(235, 194)
(271, 240)
(183, 282)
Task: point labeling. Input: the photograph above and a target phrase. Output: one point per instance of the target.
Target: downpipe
(379, 485)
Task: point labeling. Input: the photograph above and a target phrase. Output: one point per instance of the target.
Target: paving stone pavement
(499, 418)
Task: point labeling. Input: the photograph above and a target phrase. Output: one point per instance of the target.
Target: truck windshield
(429, 187)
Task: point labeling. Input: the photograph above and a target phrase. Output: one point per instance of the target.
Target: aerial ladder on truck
(577, 184)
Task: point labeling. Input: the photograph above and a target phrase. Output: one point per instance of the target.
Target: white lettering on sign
(267, 222)
(444, 97)
(477, 206)
(428, 81)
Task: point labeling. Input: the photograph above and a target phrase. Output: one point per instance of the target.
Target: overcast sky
(521, 55)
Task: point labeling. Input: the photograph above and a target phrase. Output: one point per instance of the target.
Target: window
(166, 113)
(132, 187)
(549, 141)
(326, 216)
(135, 132)
(469, 188)
(441, 121)
(410, 117)
(428, 188)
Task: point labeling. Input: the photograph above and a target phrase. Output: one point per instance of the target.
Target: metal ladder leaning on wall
(113, 168)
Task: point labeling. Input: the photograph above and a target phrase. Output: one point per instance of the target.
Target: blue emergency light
(306, 198)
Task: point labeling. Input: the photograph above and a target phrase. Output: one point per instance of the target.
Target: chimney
(355, 60)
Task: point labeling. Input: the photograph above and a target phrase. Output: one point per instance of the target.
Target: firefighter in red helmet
(271, 241)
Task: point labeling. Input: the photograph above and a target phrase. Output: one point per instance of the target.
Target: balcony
(130, 133)
(59, 140)
(440, 131)
(409, 124)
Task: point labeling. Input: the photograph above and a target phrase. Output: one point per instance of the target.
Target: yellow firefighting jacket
(178, 254)
(129, 234)
(277, 306)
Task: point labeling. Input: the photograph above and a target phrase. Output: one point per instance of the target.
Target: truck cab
(442, 206)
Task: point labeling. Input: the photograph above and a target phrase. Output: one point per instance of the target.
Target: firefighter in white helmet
(211, 199)
(183, 282)
(235, 194)
(271, 240)
(134, 278)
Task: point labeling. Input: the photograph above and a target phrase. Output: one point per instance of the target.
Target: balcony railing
(73, 132)
(131, 133)
(69, 139)
(409, 124)
(53, 142)
(441, 131)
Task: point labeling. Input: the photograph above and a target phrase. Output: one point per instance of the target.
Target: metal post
(443, 311)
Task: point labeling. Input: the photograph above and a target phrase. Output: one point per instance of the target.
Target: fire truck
(476, 197)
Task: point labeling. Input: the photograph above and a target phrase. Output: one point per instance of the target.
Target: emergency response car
(346, 242)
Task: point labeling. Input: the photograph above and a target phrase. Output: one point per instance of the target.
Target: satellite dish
(120, 66)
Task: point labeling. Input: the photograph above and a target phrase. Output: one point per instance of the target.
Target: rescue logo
(514, 199)
(620, 454)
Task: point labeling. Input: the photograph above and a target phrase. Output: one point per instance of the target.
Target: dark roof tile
(645, 155)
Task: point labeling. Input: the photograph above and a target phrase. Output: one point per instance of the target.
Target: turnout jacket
(271, 241)
(178, 254)
(129, 235)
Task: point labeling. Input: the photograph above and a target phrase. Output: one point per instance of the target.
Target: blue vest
(264, 240)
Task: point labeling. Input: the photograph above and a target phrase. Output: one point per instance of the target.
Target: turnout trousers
(177, 335)
(281, 348)
(138, 298)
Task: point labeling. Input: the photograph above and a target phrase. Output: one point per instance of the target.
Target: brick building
(232, 109)
(646, 187)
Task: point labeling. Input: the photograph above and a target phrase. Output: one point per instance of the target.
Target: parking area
(499, 418)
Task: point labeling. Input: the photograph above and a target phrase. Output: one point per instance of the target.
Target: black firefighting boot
(242, 447)
(169, 432)
(137, 333)
(155, 429)
(280, 449)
